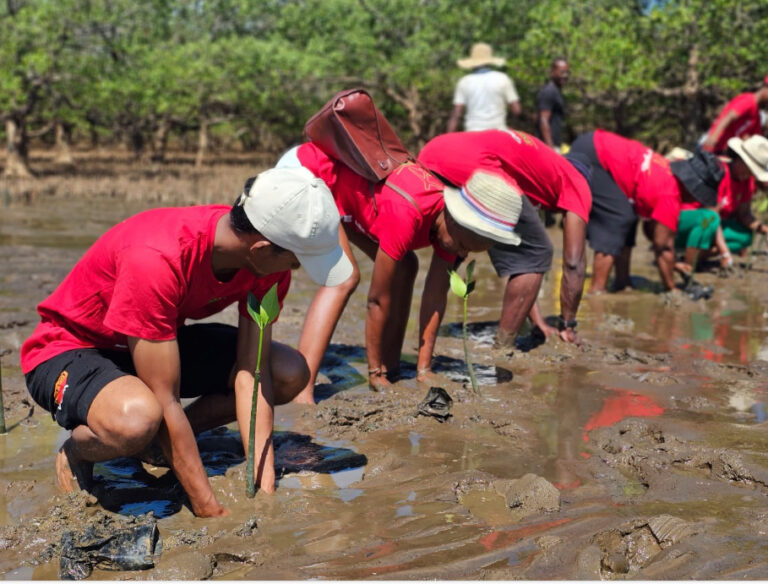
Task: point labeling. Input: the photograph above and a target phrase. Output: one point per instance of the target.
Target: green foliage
(657, 71)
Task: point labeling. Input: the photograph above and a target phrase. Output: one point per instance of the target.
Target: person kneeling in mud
(747, 164)
(631, 181)
(410, 210)
(112, 355)
(547, 180)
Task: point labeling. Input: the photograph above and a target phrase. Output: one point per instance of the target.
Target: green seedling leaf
(470, 270)
(254, 307)
(265, 311)
(270, 307)
(470, 287)
(458, 285)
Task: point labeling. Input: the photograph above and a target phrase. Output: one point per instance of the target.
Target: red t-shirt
(643, 175)
(386, 217)
(730, 194)
(747, 122)
(547, 178)
(142, 278)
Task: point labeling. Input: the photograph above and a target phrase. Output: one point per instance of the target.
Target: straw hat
(488, 205)
(481, 54)
(754, 152)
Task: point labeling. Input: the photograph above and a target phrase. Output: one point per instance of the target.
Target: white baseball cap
(294, 209)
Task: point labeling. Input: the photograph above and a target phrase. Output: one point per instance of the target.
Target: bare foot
(304, 399)
(72, 475)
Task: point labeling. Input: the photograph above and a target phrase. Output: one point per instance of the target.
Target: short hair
(238, 219)
(557, 60)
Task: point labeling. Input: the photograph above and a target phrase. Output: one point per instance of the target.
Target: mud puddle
(639, 455)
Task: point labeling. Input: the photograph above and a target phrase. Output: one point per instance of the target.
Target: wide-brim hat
(481, 54)
(701, 175)
(295, 210)
(754, 152)
(488, 204)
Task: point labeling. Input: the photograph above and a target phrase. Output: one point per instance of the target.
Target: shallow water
(661, 413)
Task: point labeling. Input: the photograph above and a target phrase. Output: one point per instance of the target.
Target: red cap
(765, 81)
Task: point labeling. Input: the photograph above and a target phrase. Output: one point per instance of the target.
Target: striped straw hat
(487, 204)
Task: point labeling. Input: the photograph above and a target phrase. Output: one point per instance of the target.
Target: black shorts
(67, 384)
(533, 255)
(612, 221)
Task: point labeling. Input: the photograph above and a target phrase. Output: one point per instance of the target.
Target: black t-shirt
(551, 98)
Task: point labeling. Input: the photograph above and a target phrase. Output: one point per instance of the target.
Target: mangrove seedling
(263, 313)
(463, 288)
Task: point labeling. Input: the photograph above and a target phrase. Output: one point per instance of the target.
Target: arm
(515, 108)
(544, 127)
(379, 302)
(717, 131)
(247, 352)
(664, 250)
(455, 119)
(158, 365)
(433, 302)
(747, 219)
(574, 270)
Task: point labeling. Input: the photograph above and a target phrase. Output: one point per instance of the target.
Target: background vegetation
(244, 75)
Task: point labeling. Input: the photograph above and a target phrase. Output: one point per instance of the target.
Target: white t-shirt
(486, 95)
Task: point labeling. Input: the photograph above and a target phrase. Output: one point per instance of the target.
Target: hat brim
(692, 183)
(473, 63)
(328, 269)
(737, 145)
(467, 217)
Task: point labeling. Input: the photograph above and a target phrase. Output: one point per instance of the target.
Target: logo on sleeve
(60, 387)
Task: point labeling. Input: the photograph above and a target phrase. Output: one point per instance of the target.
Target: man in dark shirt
(550, 105)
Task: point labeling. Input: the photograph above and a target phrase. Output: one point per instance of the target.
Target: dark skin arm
(379, 302)
(158, 365)
(664, 250)
(433, 302)
(515, 108)
(574, 270)
(455, 119)
(545, 128)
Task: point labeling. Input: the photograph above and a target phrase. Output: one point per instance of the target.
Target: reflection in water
(578, 406)
(625, 404)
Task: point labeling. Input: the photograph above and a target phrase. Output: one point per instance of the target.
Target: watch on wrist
(563, 324)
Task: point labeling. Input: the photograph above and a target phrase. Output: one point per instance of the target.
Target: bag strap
(403, 194)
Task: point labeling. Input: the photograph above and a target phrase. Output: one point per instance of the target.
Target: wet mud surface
(641, 455)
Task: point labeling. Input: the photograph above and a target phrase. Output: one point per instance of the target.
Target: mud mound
(636, 544)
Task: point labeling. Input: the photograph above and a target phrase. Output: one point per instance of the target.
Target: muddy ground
(640, 455)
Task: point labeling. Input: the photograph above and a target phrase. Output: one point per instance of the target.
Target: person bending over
(388, 221)
(548, 181)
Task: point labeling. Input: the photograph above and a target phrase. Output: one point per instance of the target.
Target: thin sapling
(463, 288)
(263, 313)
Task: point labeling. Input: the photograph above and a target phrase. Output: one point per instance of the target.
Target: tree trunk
(62, 148)
(691, 91)
(160, 139)
(17, 159)
(202, 144)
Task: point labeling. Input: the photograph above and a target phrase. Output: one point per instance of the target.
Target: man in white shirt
(484, 94)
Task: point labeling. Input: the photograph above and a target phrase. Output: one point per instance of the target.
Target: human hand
(570, 336)
(209, 508)
(267, 482)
